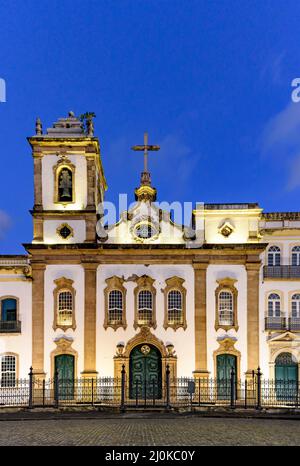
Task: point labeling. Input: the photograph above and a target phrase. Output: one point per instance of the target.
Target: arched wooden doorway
(64, 365)
(145, 372)
(225, 364)
(286, 377)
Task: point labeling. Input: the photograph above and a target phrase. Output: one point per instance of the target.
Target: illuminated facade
(86, 299)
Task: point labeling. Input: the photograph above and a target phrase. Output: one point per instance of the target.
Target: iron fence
(185, 392)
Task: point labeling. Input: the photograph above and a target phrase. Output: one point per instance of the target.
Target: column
(252, 316)
(37, 168)
(90, 281)
(91, 182)
(200, 321)
(38, 273)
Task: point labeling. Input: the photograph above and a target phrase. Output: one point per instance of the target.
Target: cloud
(294, 174)
(273, 69)
(175, 162)
(281, 140)
(5, 223)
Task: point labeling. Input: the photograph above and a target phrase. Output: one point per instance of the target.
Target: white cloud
(5, 223)
(281, 139)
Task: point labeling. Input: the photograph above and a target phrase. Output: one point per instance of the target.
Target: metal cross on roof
(145, 148)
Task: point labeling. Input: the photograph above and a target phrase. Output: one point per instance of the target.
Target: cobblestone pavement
(149, 431)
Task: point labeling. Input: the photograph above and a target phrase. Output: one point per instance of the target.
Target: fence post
(56, 389)
(123, 376)
(44, 389)
(258, 405)
(30, 401)
(232, 388)
(168, 386)
(92, 391)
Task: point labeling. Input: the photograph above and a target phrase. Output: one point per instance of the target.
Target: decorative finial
(90, 127)
(71, 114)
(145, 192)
(38, 127)
(87, 119)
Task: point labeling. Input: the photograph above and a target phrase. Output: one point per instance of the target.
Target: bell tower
(69, 182)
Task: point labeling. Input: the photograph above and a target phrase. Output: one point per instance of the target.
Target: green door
(225, 364)
(286, 377)
(64, 364)
(145, 381)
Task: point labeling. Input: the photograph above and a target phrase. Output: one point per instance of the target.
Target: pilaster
(90, 282)
(38, 274)
(200, 270)
(252, 316)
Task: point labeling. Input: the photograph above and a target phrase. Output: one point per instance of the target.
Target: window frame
(16, 372)
(175, 284)
(297, 254)
(294, 293)
(274, 300)
(276, 253)
(61, 164)
(3, 298)
(63, 284)
(114, 284)
(226, 284)
(144, 283)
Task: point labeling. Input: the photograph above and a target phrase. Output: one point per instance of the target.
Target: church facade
(87, 298)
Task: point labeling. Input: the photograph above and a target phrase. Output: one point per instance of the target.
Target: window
(296, 305)
(226, 304)
(274, 256)
(65, 308)
(296, 256)
(145, 305)
(225, 308)
(144, 296)
(274, 305)
(115, 307)
(175, 315)
(64, 180)
(8, 371)
(115, 303)
(65, 185)
(9, 310)
(175, 303)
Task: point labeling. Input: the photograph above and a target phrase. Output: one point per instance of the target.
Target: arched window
(274, 305)
(65, 185)
(225, 308)
(8, 370)
(296, 256)
(296, 305)
(175, 311)
(145, 307)
(64, 304)
(65, 308)
(115, 307)
(9, 310)
(273, 256)
(115, 303)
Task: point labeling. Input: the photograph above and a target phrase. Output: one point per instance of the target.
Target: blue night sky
(209, 80)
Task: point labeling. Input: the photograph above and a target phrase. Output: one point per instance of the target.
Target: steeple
(145, 192)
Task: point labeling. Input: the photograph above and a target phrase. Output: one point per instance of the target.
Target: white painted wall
(48, 162)
(214, 273)
(51, 236)
(21, 344)
(75, 273)
(183, 340)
